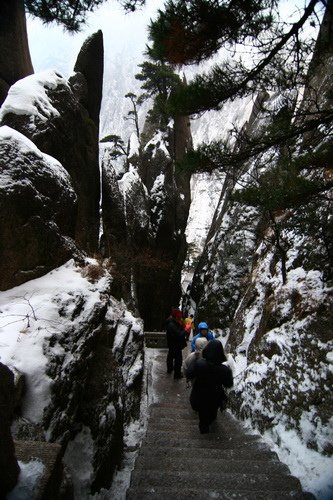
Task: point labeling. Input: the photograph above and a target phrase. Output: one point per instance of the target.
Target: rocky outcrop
(53, 116)
(92, 369)
(156, 202)
(15, 61)
(104, 379)
(90, 63)
(37, 211)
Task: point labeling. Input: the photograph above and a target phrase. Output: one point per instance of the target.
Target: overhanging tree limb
(208, 92)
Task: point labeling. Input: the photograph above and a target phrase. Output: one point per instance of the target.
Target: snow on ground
(79, 453)
(28, 315)
(26, 487)
(314, 469)
(79, 460)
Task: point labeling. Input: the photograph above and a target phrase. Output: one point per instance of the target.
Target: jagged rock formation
(151, 247)
(37, 211)
(15, 61)
(59, 124)
(90, 63)
(268, 284)
(93, 356)
(49, 212)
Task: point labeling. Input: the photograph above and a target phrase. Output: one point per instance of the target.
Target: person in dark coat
(210, 377)
(176, 336)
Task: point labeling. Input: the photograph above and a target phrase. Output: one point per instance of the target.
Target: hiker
(200, 344)
(188, 325)
(210, 377)
(176, 340)
(203, 332)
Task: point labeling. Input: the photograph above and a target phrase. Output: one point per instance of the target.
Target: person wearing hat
(200, 344)
(188, 325)
(210, 375)
(176, 340)
(203, 332)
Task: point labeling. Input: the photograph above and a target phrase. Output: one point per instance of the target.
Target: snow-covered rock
(37, 210)
(49, 110)
(81, 352)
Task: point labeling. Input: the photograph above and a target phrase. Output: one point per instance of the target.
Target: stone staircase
(177, 462)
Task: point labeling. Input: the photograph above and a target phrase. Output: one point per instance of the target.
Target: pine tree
(68, 13)
(159, 81)
(188, 32)
(287, 161)
(15, 59)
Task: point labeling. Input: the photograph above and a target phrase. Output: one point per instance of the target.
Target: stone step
(179, 422)
(172, 402)
(50, 455)
(220, 481)
(180, 413)
(197, 440)
(149, 493)
(186, 426)
(257, 452)
(222, 465)
(169, 404)
(175, 461)
(187, 414)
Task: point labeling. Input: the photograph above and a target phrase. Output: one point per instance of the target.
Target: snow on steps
(49, 454)
(177, 462)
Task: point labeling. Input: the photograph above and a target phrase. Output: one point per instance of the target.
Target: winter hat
(176, 313)
(214, 352)
(202, 326)
(200, 343)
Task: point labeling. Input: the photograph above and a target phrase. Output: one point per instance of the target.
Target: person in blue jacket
(203, 332)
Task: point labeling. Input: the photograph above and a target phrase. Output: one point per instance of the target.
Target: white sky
(51, 46)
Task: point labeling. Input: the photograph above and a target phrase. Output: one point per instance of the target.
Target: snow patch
(29, 96)
(28, 481)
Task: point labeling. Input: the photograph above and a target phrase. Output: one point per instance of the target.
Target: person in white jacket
(200, 344)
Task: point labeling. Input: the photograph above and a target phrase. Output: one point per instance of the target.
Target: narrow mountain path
(177, 462)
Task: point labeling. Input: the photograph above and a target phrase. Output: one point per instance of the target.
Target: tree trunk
(15, 60)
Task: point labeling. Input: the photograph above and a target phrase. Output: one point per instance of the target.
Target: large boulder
(82, 356)
(47, 109)
(37, 211)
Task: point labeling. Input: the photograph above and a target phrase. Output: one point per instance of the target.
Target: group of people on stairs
(207, 366)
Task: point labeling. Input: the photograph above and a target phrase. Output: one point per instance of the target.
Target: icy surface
(29, 96)
(29, 477)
